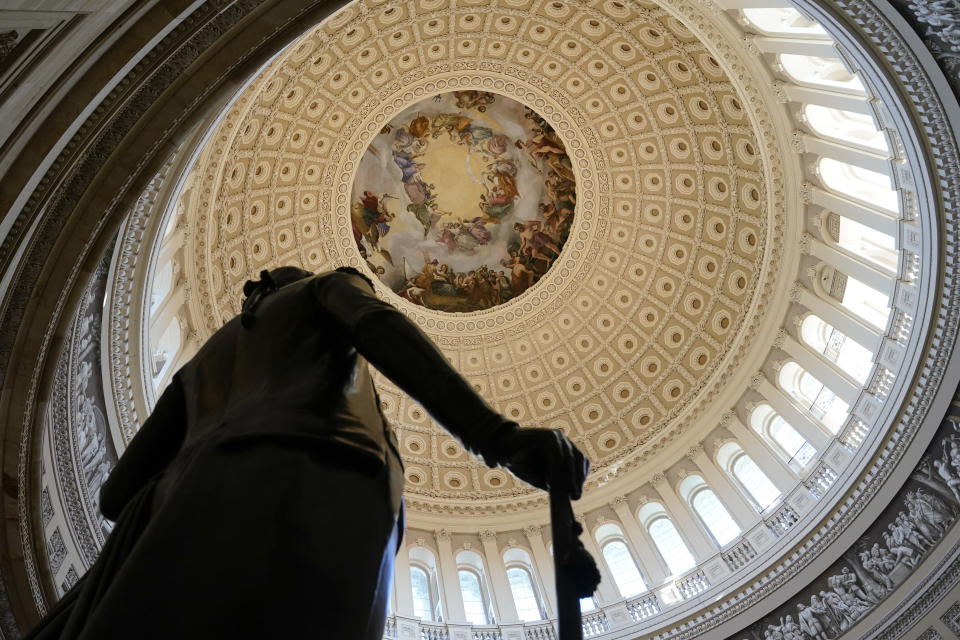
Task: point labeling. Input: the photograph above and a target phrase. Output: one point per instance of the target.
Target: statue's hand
(546, 459)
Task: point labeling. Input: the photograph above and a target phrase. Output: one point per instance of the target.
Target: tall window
(420, 586)
(670, 545)
(166, 349)
(747, 475)
(423, 584)
(524, 596)
(786, 440)
(837, 347)
(813, 395)
(622, 566)
(867, 186)
(784, 20)
(522, 585)
(473, 588)
(755, 481)
(823, 72)
(847, 126)
(709, 509)
(473, 604)
(858, 298)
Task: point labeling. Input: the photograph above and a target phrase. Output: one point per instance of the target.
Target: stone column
(607, 592)
(728, 493)
(804, 425)
(770, 463)
(449, 579)
(543, 564)
(500, 586)
(831, 376)
(688, 526)
(651, 564)
(401, 581)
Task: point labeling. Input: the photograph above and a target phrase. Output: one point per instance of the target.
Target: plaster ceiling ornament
(463, 201)
(672, 251)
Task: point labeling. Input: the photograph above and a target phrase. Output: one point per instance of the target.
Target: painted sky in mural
(463, 201)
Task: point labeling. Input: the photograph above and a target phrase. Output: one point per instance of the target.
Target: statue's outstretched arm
(397, 348)
(150, 451)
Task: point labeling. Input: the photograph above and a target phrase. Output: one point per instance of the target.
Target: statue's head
(269, 281)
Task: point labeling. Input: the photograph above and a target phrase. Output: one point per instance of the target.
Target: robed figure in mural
(262, 497)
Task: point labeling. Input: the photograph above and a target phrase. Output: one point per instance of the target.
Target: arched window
(619, 560)
(166, 349)
(867, 186)
(782, 20)
(747, 475)
(525, 593)
(845, 126)
(162, 284)
(666, 538)
(423, 585)
(837, 347)
(709, 509)
(473, 588)
(473, 603)
(784, 439)
(820, 72)
(862, 243)
(671, 546)
(422, 599)
(755, 481)
(811, 394)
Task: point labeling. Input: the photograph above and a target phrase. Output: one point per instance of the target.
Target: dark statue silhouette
(262, 497)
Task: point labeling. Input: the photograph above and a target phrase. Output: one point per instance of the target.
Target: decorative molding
(532, 531)
(951, 619)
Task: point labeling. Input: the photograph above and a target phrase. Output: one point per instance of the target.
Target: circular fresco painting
(463, 201)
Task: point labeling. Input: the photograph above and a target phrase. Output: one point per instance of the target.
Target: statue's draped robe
(261, 497)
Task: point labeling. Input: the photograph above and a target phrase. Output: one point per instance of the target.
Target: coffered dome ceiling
(671, 255)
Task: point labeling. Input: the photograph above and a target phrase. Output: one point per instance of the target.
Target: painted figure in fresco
(266, 436)
(496, 146)
(409, 168)
(521, 277)
(471, 99)
(479, 231)
(453, 124)
(503, 175)
(419, 127)
(533, 241)
(370, 218)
